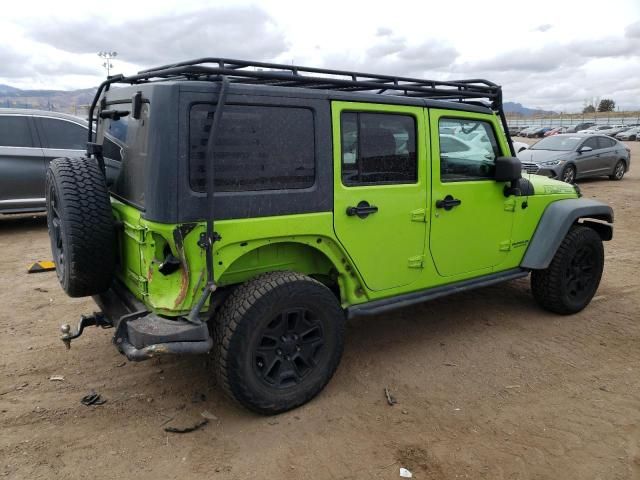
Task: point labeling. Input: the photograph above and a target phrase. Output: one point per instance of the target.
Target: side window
(258, 148)
(15, 131)
(63, 135)
(378, 148)
(468, 150)
(111, 150)
(604, 142)
(592, 143)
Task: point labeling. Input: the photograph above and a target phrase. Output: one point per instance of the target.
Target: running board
(386, 304)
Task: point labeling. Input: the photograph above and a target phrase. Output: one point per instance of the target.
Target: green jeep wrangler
(257, 206)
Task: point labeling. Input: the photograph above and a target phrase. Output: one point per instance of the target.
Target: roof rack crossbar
(281, 75)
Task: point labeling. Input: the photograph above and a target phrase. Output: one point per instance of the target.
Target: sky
(549, 54)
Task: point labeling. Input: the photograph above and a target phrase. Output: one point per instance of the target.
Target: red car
(555, 131)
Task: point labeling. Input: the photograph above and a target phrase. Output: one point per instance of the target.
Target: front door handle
(448, 202)
(363, 210)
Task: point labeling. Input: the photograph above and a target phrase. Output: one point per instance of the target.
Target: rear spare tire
(80, 225)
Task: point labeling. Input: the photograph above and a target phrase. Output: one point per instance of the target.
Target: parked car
(613, 131)
(597, 129)
(579, 126)
(515, 131)
(538, 132)
(572, 156)
(629, 135)
(260, 222)
(525, 131)
(29, 140)
(555, 131)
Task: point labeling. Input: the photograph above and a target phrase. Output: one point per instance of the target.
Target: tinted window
(592, 143)
(257, 148)
(15, 132)
(604, 142)
(118, 128)
(378, 148)
(63, 135)
(111, 150)
(468, 150)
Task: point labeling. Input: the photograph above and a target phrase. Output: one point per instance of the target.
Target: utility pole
(107, 56)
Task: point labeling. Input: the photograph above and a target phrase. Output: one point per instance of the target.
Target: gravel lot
(488, 386)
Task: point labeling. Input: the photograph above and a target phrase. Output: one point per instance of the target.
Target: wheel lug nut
(298, 348)
(279, 352)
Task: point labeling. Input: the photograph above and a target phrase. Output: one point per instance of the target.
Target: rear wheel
(569, 174)
(571, 280)
(618, 171)
(280, 337)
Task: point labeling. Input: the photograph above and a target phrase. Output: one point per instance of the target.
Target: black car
(29, 140)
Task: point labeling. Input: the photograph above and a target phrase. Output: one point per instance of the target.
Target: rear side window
(604, 142)
(257, 148)
(378, 148)
(468, 150)
(15, 132)
(62, 134)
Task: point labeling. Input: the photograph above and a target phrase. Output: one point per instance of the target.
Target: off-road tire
(239, 328)
(552, 287)
(618, 171)
(81, 226)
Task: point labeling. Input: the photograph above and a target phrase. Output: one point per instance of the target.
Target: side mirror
(584, 149)
(508, 169)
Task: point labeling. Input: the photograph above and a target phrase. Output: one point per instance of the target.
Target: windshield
(557, 143)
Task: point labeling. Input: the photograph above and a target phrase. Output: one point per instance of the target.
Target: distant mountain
(76, 101)
(72, 101)
(513, 107)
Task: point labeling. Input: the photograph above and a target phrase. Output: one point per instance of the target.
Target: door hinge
(505, 246)
(416, 262)
(510, 205)
(419, 215)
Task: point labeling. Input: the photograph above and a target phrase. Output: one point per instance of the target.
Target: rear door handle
(448, 202)
(363, 210)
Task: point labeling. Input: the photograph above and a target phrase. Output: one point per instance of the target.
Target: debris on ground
(56, 378)
(450, 364)
(390, 398)
(93, 398)
(188, 429)
(198, 397)
(208, 415)
(121, 364)
(42, 266)
(13, 388)
(40, 289)
(404, 473)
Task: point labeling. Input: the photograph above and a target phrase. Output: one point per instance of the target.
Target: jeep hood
(548, 186)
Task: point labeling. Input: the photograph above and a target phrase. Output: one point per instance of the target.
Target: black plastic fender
(556, 221)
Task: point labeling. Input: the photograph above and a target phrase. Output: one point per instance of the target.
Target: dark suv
(29, 140)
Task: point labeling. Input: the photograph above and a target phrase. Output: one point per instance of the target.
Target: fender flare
(556, 221)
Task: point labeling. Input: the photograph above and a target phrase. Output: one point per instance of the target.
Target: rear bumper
(141, 334)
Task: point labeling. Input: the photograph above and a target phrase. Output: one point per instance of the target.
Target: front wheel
(569, 174)
(569, 283)
(280, 337)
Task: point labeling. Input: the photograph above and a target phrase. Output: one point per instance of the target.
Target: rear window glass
(257, 148)
(15, 132)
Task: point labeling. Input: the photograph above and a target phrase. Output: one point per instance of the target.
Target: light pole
(107, 56)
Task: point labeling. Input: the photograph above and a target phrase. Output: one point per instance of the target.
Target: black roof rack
(282, 75)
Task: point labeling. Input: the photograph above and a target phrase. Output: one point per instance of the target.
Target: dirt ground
(488, 385)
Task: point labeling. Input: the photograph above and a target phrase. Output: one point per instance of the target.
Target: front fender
(556, 221)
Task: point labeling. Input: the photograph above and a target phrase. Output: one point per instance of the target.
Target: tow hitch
(98, 319)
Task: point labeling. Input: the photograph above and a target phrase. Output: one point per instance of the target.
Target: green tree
(606, 105)
(589, 109)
